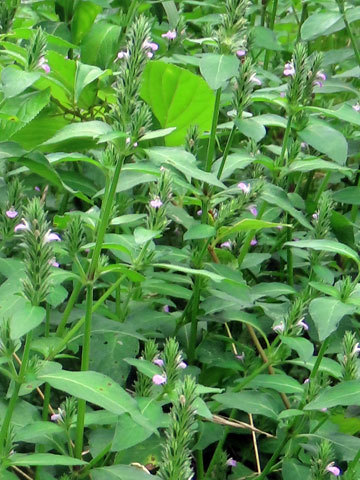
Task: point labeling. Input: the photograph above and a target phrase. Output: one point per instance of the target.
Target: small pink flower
(159, 379)
(307, 380)
(150, 54)
(135, 144)
(315, 216)
(253, 242)
(151, 45)
(57, 417)
(156, 203)
(37, 188)
(199, 213)
(282, 94)
(317, 83)
(333, 469)
(159, 362)
(230, 462)
(302, 324)
(303, 145)
(241, 357)
(244, 187)
(279, 227)
(182, 365)
(289, 69)
(54, 263)
(22, 226)
(42, 64)
(170, 35)
(323, 409)
(240, 53)
(122, 54)
(255, 79)
(253, 210)
(279, 328)
(11, 213)
(51, 237)
(356, 107)
(321, 76)
(226, 244)
(166, 308)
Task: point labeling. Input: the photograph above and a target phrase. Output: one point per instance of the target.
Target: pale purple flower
(150, 54)
(42, 64)
(226, 244)
(57, 417)
(151, 45)
(323, 409)
(22, 226)
(255, 79)
(135, 144)
(321, 76)
(159, 379)
(122, 54)
(333, 469)
(37, 188)
(244, 187)
(307, 380)
(166, 308)
(303, 145)
(241, 52)
(279, 227)
(317, 83)
(54, 263)
(159, 362)
(279, 328)
(199, 213)
(11, 213)
(51, 237)
(356, 107)
(282, 94)
(241, 357)
(356, 349)
(170, 35)
(128, 140)
(230, 462)
(302, 324)
(289, 69)
(253, 210)
(156, 203)
(182, 365)
(315, 216)
(253, 242)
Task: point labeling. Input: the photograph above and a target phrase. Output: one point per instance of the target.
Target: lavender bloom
(307, 380)
(22, 226)
(226, 244)
(51, 237)
(159, 379)
(156, 203)
(37, 188)
(317, 83)
(279, 227)
(244, 187)
(241, 357)
(150, 54)
(323, 409)
(159, 362)
(289, 69)
(54, 263)
(315, 216)
(42, 64)
(11, 213)
(282, 94)
(253, 242)
(302, 324)
(230, 462)
(199, 213)
(321, 76)
(57, 417)
(166, 308)
(182, 365)
(240, 53)
(153, 46)
(356, 107)
(122, 54)
(333, 469)
(253, 210)
(279, 328)
(254, 79)
(170, 35)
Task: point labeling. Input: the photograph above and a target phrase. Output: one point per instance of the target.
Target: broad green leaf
(83, 19)
(302, 346)
(143, 235)
(345, 112)
(147, 368)
(276, 196)
(157, 134)
(326, 246)
(327, 365)
(323, 23)
(314, 163)
(265, 38)
(344, 393)
(234, 161)
(192, 271)
(246, 225)
(135, 434)
(178, 98)
(37, 459)
(183, 161)
(251, 128)
(100, 46)
(218, 69)
(15, 81)
(293, 470)
(25, 319)
(83, 131)
(198, 231)
(326, 139)
(85, 74)
(121, 472)
(327, 313)
(279, 382)
(38, 432)
(251, 402)
(271, 289)
(348, 195)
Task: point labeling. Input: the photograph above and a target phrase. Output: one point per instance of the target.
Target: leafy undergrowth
(179, 221)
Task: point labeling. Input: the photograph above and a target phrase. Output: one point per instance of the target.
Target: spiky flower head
(192, 139)
(7, 345)
(350, 348)
(231, 35)
(75, 237)
(176, 457)
(12, 210)
(144, 384)
(243, 86)
(37, 244)
(160, 195)
(37, 50)
(322, 461)
(322, 217)
(173, 362)
(7, 14)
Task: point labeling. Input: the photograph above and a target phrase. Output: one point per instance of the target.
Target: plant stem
(226, 151)
(69, 306)
(285, 142)
(194, 319)
(350, 33)
(95, 461)
(304, 14)
(211, 144)
(322, 187)
(271, 26)
(85, 359)
(289, 254)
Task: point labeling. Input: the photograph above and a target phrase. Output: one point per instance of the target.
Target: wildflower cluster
(171, 363)
(12, 209)
(37, 51)
(160, 195)
(322, 462)
(231, 35)
(351, 350)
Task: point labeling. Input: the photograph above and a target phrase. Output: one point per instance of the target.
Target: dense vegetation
(179, 235)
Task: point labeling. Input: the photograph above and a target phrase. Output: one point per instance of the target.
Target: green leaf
(85, 74)
(251, 128)
(135, 434)
(349, 195)
(147, 368)
(15, 81)
(246, 225)
(326, 246)
(25, 319)
(121, 472)
(192, 271)
(163, 132)
(344, 393)
(327, 313)
(198, 231)
(38, 432)
(265, 38)
(314, 163)
(293, 470)
(37, 459)
(178, 98)
(183, 161)
(143, 235)
(323, 23)
(278, 382)
(251, 402)
(218, 69)
(327, 365)
(345, 112)
(100, 45)
(83, 19)
(84, 130)
(326, 139)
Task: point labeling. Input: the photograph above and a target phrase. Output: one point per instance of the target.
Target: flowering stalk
(211, 144)
(271, 26)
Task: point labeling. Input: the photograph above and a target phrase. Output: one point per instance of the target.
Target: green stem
(355, 208)
(271, 26)
(85, 360)
(70, 305)
(194, 319)
(274, 457)
(285, 142)
(289, 254)
(226, 151)
(322, 187)
(46, 402)
(304, 14)
(95, 461)
(211, 144)
(351, 35)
